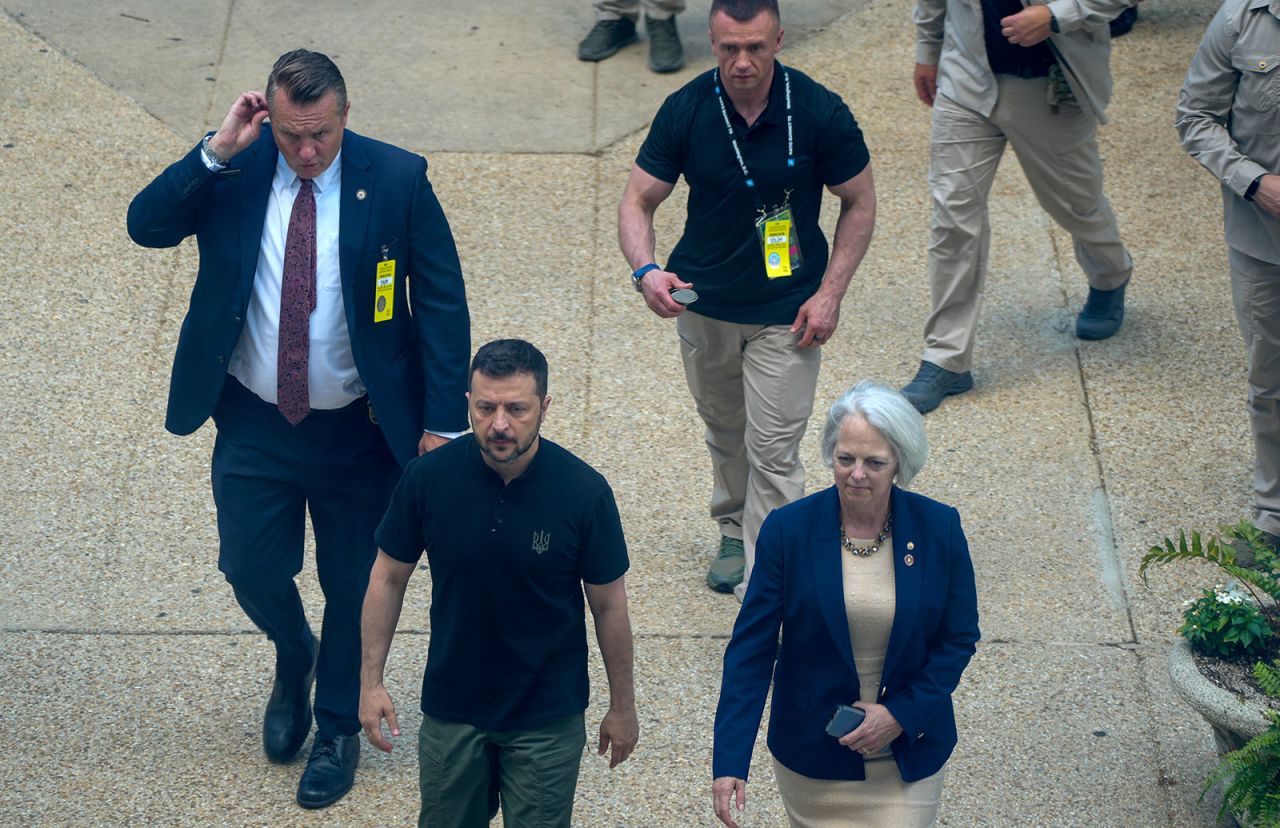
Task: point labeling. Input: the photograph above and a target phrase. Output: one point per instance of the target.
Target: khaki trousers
(1255, 292)
(630, 9)
(754, 390)
(1059, 155)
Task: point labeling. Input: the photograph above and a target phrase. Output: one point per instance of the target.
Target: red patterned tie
(297, 301)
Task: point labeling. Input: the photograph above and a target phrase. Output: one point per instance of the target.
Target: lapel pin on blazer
(361, 194)
(909, 559)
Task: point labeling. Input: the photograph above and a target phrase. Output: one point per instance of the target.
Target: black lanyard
(737, 150)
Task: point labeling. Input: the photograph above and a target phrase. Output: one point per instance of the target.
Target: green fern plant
(1259, 578)
(1268, 678)
(1252, 773)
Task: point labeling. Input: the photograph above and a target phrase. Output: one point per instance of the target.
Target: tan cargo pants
(1059, 155)
(754, 391)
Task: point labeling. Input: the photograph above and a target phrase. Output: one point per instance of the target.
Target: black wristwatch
(1253, 188)
(1053, 23)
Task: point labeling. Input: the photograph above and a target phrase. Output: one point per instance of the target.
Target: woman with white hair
(872, 591)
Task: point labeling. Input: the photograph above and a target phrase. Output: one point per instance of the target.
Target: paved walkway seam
(211, 115)
(1111, 571)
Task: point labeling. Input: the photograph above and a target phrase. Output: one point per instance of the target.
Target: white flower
(1230, 595)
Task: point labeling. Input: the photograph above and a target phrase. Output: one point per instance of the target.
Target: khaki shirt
(1082, 47)
(1229, 116)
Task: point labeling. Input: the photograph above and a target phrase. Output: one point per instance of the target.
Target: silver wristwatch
(207, 148)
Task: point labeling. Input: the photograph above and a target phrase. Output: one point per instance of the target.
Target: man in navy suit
(328, 337)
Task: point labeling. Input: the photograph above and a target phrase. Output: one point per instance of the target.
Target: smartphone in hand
(845, 720)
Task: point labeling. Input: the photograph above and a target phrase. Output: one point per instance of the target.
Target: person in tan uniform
(615, 27)
(1228, 119)
(1037, 78)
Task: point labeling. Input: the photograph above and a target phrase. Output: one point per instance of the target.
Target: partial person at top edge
(1036, 78)
(615, 27)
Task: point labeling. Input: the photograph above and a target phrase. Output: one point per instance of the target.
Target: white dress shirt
(333, 381)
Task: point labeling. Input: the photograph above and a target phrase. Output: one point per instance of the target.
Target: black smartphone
(844, 720)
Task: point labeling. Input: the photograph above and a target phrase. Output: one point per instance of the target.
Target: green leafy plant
(1252, 773)
(1258, 579)
(1225, 622)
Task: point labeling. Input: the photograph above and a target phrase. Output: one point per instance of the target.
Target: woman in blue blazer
(872, 590)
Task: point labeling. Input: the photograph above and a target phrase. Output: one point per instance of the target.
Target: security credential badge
(779, 241)
(384, 292)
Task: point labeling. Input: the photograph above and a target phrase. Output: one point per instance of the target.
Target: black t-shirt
(720, 251)
(508, 644)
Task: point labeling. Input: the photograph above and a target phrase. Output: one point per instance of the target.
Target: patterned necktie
(297, 301)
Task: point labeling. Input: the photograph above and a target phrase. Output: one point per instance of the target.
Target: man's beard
(519, 450)
(515, 455)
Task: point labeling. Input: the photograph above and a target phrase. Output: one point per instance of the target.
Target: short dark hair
(744, 10)
(503, 358)
(306, 77)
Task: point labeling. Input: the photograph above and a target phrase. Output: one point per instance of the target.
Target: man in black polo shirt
(756, 142)
(514, 528)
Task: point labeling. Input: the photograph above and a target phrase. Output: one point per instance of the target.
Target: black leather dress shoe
(330, 772)
(287, 721)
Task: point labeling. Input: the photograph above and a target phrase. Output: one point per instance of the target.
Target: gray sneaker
(665, 52)
(726, 570)
(606, 38)
(932, 383)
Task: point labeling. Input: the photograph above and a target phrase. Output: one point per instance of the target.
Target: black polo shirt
(720, 251)
(508, 644)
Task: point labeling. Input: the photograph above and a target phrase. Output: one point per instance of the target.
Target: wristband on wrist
(639, 275)
(1053, 23)
(1253, 188)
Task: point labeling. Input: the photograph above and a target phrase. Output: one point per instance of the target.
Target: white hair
(889, 413)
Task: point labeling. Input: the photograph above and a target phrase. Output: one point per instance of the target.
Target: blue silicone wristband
(643, 270)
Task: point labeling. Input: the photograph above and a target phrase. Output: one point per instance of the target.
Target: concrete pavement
(130, 683)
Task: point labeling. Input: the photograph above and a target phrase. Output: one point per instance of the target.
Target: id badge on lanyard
(779, 242)
(776, 228)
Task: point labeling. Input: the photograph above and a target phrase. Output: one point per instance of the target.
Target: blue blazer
(796, 587)
(414, 364)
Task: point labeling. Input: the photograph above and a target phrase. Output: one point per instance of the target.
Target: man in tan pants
(1037, 78)
(1229, 120)
(757, 143)
(616, 27)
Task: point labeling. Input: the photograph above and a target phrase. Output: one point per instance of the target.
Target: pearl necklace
(864, 551)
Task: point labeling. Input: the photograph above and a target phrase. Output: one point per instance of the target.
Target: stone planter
(1233, 720)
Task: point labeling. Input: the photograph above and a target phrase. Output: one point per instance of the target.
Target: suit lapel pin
(909, 559)
(361, 194)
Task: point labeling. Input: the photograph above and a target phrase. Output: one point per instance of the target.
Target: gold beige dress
(882, 799)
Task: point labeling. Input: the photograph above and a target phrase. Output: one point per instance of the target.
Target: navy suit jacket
(414, 365)
(796, 587)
